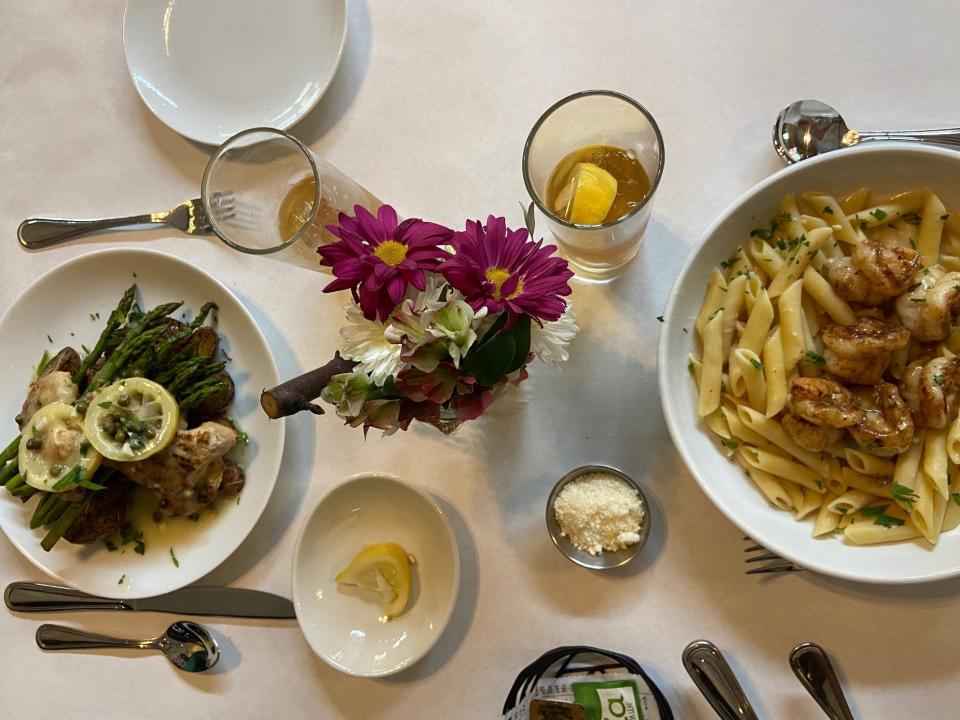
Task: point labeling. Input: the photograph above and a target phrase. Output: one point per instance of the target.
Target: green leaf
(174, 558)
(887, 521)
(815, 359)
(529, 218)
(956, 497)
(903, 495)
(492, 361)
(44, 359)
(873, 511)
(878, 214)
(521, 336)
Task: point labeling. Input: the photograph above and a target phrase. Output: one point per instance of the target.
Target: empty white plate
(343, 625)
(210, 68)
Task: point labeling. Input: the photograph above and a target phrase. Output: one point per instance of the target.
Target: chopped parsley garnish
(815, 359)
(106, 405)
(819, 483)
(731, 261)
(781, 244)
(913, 243)
(863, 225)
(659, 318)
(129, 534)
(903, 495)
(956, 498)
(887, 521)
(918, 300)
(49, 338)
(938, 379)
(690, 366)
(912, 218)
(723, 288)
(121, 580)
(110, 545)
(945, 216)
(174, 558)
(827, 210)
(878, 214)
(757, 365)
(913, 287)
(730, 445)
(874, 510)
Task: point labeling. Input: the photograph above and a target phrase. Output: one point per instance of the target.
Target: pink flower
(377, 259)
(503, 270)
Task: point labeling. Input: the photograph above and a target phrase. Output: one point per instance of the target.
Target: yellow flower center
(391, 252)
(498, 276)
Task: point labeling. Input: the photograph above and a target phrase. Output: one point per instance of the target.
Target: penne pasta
(712, 364)
(774, 374)
(826, 297)
(766, 359)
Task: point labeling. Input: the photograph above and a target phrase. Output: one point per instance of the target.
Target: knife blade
(220, 601)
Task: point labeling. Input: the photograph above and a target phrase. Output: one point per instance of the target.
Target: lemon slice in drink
(588, 195)
(382, 568)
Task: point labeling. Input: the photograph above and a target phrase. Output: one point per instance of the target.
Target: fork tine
(780, 567)
(765, 556)
(754, 548)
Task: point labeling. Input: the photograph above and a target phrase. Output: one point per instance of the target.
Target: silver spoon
(713, 676)
(187, 645)
(813, 668)
(809, 127)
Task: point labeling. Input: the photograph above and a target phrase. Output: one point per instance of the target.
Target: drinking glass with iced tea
(592, 164)
(265, 192)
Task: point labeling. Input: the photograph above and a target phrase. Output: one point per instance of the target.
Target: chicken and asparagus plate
(144, 413)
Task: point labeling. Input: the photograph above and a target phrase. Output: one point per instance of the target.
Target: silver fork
(188, 216)
(774, 563)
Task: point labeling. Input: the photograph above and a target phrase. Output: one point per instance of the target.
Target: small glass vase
(447, 422)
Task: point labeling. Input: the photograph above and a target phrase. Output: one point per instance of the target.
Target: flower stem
(296, 395)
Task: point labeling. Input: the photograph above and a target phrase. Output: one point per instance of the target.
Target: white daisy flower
(366, 343)
(549, 343)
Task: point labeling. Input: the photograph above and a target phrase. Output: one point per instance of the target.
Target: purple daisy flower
(377, 259)
(503, 270)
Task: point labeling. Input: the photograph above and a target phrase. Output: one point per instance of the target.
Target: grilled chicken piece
(54, 384)
(188, 474)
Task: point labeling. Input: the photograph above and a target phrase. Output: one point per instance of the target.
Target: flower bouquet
(440, 324)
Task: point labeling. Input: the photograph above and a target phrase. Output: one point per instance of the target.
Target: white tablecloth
(430, 110)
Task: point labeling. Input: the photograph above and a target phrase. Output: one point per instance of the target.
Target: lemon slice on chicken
(588, 195)
(382, 568)
(52, 445)
(131, 420)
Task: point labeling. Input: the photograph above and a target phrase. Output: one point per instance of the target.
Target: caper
(34, 443)
(116, 417)
(150, 433)
(82, 407)
(157, 516)
(56, 469)
(123, 400)
(108, 426)
(120, 435)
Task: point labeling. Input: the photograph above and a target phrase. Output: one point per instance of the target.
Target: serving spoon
(807, 128)
(189, 646)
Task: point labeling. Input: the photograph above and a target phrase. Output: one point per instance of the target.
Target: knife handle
(38, 597)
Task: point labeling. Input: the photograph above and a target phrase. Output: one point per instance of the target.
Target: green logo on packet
(612, 700)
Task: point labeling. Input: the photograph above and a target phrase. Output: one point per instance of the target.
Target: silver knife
(221, 601)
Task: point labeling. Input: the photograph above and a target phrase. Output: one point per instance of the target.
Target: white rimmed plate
(343, 625)
(886, 168)
(210, 68)
(61, 304)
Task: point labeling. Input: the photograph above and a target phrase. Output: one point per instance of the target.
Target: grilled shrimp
(873, 274)
(809, 436)
(930, 389)
(859, 353)
(928, 307)
(820, 401)
(886, 426)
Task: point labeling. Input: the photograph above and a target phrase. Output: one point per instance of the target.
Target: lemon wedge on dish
(131, 420)
(382, 568)
(587, 195)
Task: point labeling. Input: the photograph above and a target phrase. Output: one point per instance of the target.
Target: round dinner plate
(69, 305)
(210, 68)
(885, 168)
(343, 624)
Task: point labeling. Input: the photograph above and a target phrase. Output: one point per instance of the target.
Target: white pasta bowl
(885, 168)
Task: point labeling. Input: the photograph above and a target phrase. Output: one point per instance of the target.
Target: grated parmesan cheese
(599, 511)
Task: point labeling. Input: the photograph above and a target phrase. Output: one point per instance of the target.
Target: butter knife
(221, 601)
